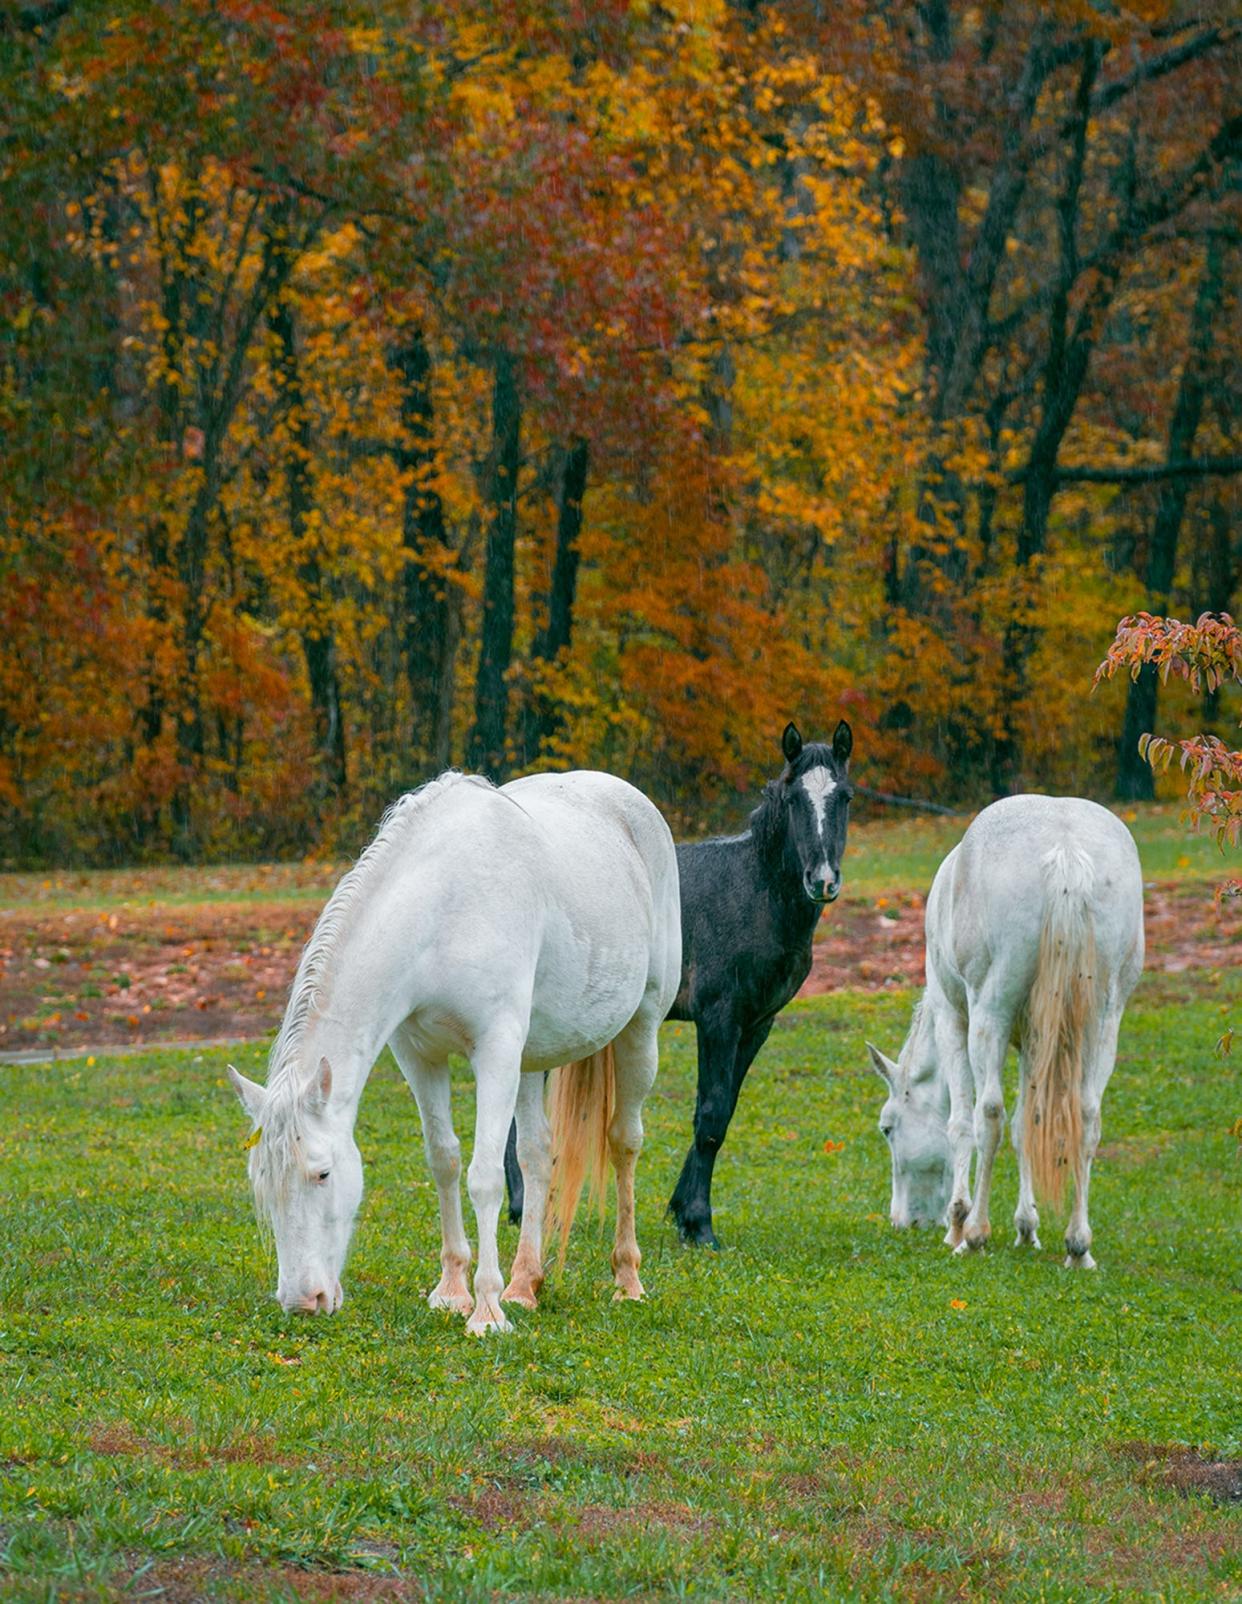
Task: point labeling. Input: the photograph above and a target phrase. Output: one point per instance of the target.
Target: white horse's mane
(272, 1159)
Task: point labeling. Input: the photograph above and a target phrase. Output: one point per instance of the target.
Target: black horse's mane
(767, 822)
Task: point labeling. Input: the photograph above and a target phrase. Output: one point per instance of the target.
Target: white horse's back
(552, 900)
(989, 902)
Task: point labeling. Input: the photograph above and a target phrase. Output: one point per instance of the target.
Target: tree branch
(1160, 66)
(1142, 473)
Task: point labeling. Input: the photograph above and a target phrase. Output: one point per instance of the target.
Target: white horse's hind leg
(635, 1056)
(433, 1094)
(988, 1043)
(1026, 1215)
(1096, 1073)
(534, 1151)
(496, 1062)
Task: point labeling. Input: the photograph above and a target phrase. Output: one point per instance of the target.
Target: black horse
(749, 907)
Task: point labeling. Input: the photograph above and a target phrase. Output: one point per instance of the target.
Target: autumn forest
(385, 386)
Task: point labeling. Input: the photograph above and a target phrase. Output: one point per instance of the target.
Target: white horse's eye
(323, 1174)
(886, 1131)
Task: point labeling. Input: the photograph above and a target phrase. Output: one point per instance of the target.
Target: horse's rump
(583, 1094)
(1061, 1015)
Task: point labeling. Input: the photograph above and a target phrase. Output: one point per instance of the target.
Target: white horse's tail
(1060, 1018)
(583, 1094)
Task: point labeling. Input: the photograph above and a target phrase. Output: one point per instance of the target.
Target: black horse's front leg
(513, 1177)
(691, 1202)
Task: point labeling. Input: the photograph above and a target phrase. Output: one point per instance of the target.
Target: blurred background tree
(385, 387)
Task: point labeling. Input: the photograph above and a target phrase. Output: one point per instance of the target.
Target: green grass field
(826, 1410)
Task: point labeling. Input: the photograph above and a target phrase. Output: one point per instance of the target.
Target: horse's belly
(586, 991)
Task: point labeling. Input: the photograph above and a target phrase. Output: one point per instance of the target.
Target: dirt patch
(118, 1439)
(1186, 1471)
(878, 944)
(164, 972)
(145, 975)
(188, 1581)
(500, 1508)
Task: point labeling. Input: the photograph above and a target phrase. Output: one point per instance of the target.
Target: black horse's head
(816, 793)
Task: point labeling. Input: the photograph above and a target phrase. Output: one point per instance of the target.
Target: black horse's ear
(791, 743)
(842, 742)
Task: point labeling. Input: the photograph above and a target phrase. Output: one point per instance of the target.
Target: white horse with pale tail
(1034, 932)
(529, 927)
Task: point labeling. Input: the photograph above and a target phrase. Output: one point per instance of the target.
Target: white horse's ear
(884, 1067)
(319, 1088)
(249, 1095)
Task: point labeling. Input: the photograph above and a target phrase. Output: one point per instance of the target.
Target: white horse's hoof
(488, 1316)
(962, 1249)
(1028, 1240)
(455, 1302)
(1079, 1261)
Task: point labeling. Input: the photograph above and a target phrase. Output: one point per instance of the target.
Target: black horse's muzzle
(822, 891)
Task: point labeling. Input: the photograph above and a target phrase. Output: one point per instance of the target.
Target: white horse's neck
(919, 1054)
(347, 998)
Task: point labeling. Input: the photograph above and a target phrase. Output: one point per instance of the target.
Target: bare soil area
(174, 971)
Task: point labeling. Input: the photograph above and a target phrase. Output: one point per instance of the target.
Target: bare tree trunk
(1135, 781)
(1064, 369)
(1224, 565)
(487, 749)
(541, 714)
(221, 382)
(318, 645)
(429, 607)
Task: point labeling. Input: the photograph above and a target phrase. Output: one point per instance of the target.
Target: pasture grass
(889, 851)
(828, 1409)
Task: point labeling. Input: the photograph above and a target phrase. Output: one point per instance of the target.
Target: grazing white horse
(1034, 932)
(529, 926)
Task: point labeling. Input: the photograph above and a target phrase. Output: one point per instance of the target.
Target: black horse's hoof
(696, 1233)
(515, 1214)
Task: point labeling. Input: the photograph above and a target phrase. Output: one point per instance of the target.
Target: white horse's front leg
(433, 1093)
(534, 1152)
(988, 1043)
(496, 1062)
(635, 1058)
(951, 1052)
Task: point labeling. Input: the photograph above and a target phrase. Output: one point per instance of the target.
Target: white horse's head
(914, 1123)
(307, 1176)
